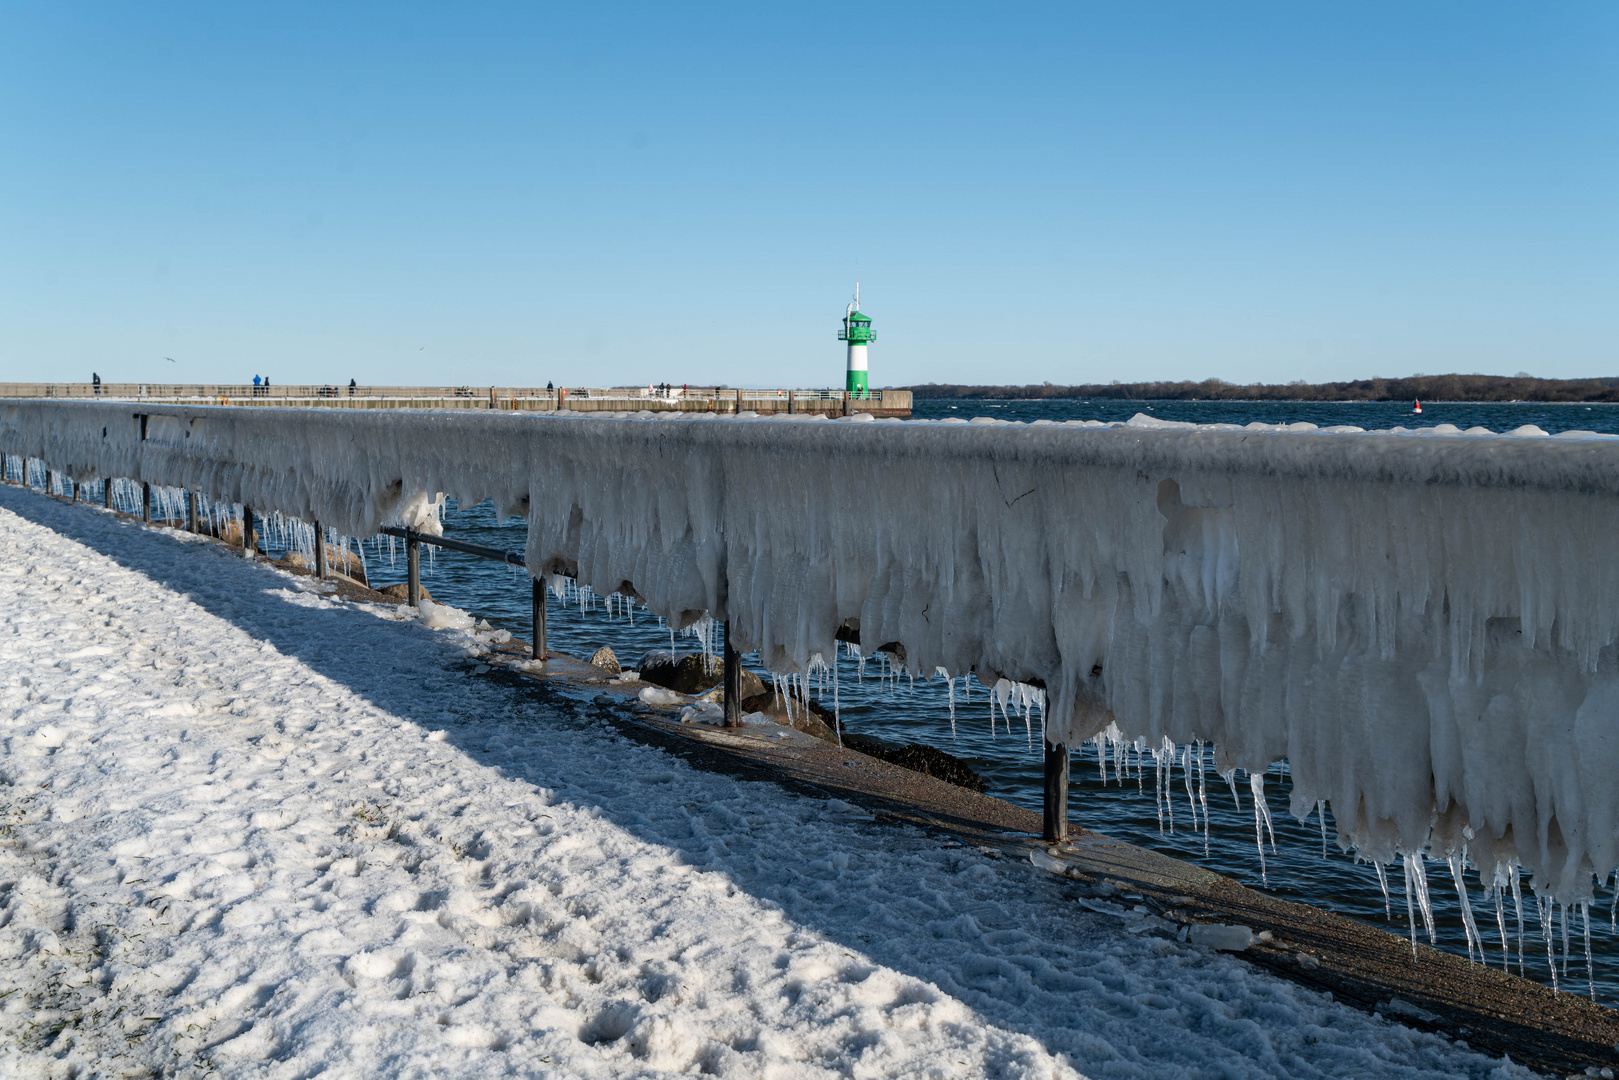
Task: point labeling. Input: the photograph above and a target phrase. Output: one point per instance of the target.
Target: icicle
(1321, 816)
(1166, 771)
(1541, 908)
(1410, 916)
(1496, 888)
(1417, 871)
(1203, 796)
(1231, 778)
(1101, 759)
(1256, 781)
(1458, 865)
(1186, 771)
(1517, 903)
(837, 712)
(1383, 883)
(1158, 787)
(1563, 907)
(1256, 784)
(1590, 970)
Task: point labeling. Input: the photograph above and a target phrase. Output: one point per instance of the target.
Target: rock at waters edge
(689, 672)
(401, 593)
(919, 758)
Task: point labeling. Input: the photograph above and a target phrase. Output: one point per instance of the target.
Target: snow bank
(1422, 623)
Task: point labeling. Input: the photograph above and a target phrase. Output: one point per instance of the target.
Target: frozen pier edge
(1423, 624)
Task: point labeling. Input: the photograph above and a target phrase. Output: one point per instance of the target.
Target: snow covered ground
(251, 830)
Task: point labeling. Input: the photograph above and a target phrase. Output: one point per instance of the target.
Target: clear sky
(593, 194)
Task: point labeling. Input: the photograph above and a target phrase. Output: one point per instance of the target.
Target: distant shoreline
(1262, 401)
(1440, 389)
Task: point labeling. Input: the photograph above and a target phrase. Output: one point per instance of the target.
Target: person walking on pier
(95, 383)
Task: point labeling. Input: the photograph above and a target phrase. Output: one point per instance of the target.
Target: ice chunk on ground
(444, 617)
(1221, 936)
(658, 696)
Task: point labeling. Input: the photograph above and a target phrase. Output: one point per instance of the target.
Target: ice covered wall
(1424, 625)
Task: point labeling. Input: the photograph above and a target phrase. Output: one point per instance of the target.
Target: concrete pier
(697, 399)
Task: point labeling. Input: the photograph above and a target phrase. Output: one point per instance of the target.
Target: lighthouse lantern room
(857, 332)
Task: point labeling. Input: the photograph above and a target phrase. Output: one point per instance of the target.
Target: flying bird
(171, 359)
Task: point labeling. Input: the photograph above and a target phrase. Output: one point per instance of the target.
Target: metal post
(538, 613)
(248, 547)
(50, 483)
(320, 551)
(733, 681)
(146, 501)
(191, 511)
(106, 492)
(413, 569)
(1056, 801)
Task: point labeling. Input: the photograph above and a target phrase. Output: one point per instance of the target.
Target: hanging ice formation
(1424, 624)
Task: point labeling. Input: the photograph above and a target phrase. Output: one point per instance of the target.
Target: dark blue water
(1302, 867)
(1370, 415)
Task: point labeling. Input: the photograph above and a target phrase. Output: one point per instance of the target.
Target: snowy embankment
(1423, 625)
(253, 830)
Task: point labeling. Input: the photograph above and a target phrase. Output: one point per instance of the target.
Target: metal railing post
(106, 492)
(248, 546)
(1055, 815)
(320, 551)
(733, 681)
(191, 511)
(146, 501)
(413, 569)
(538, 614)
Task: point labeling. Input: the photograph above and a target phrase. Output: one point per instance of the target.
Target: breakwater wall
(1423, 624)
(701, 399)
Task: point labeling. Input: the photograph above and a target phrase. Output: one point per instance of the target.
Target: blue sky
(613, 194)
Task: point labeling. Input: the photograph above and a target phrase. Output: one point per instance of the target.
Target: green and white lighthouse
(857, 332)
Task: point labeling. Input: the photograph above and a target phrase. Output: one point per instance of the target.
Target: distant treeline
(1417, 387)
